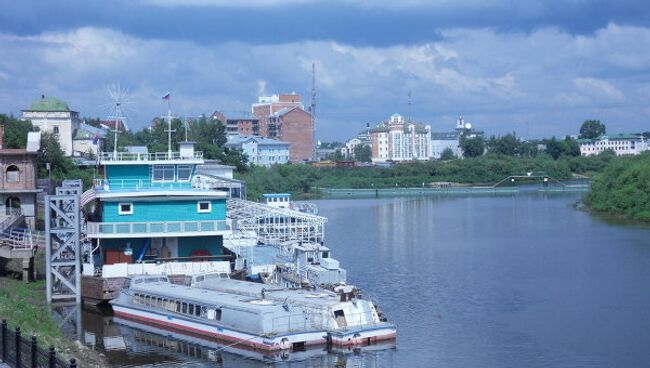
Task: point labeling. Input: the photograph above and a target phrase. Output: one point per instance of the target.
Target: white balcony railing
(155, 156)
(138, 184)
(148, 229)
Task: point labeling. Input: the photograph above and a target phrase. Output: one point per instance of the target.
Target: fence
(20, 352)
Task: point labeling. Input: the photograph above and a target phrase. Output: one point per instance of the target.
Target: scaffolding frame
(62, 242)
(275, 225)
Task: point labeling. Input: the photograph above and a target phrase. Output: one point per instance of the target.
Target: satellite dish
(468, 126)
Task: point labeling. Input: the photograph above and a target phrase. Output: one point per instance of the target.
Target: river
(522, 280)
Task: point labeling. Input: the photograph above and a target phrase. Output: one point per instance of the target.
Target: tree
(51, 153)
(447, 154)
(472, 147)
(556, 148)
(362, 153)
(591, 129)
(508, 145)
(15, 131)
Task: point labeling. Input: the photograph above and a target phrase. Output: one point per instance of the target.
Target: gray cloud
(545, 82)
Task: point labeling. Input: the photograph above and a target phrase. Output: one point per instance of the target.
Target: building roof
(444, 135)
(237, 140)
(48, 104)
(287, 110)
(15, 151)
(612, 137)
(86, 131)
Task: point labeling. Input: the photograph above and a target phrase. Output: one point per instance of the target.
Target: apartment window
(184, 172)
(125, 209)
(204, 207)
(55, 130)
(163, 173)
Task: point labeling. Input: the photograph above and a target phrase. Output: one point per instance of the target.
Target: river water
(519, 280)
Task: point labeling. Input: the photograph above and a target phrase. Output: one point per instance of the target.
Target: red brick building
(283, 117)
(243, 125)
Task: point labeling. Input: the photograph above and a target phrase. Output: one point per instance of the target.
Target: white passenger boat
(253, 315)
(243, 320)
(347, 319)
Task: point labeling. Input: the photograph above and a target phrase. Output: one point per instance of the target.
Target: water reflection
(131, 344)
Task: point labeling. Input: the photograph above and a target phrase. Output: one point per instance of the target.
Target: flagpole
(169, 127)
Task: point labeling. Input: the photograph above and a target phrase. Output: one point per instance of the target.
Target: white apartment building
(621, 144)
(399, 140)
(260, 151)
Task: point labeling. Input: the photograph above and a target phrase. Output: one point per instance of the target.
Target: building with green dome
(52, 115)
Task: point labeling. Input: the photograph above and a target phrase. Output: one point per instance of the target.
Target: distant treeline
(303, 180)
(623, 188)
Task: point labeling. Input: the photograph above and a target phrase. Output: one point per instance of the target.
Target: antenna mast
(117, 115)
(409, 102)
(169, 125)
(312, 108)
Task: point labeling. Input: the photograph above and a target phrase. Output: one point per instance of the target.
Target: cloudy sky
(538, 68)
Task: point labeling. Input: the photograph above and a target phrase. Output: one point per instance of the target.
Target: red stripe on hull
(175, 326)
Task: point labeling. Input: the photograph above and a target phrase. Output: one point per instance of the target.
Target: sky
(536, 68)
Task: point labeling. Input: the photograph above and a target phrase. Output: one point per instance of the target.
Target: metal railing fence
(21, 352)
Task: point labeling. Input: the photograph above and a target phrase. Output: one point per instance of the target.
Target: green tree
(472, 147)
(591, 129)
(362, 153)
(15, 131)
(508, 145)
(447, 154)
(52, 154)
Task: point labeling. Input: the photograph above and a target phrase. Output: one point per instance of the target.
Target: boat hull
(278, 342)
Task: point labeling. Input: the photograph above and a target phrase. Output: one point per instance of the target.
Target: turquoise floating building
(150, 207)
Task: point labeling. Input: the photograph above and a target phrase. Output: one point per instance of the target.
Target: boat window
(125, 209)
(190, 309)
(184, 310)
(178, 307)
(200, 278)
(184, 172)
(160, 303)
(147, 300)
(163, 173)
(204, 207)
(197, 310)
(170, 305)
(138, 281)
(214, 314)
(326, 254)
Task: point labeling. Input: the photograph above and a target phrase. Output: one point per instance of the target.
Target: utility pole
(409, 104)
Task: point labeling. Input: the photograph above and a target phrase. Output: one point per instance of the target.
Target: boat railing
(95, 229)
(154, 156)
(138, 184)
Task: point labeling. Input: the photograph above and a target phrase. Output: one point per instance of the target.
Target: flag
(96, 139)
(166, 96)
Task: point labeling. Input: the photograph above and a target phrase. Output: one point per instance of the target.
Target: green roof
(48, 104)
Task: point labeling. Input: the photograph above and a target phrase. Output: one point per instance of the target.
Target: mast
(312, 109)
(169, 125)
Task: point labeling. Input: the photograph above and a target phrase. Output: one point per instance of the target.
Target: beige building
(400, 140)
(54, 116)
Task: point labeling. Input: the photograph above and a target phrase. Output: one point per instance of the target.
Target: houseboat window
(184, 172)
(125, 209)
(184, 310)
(163, 173)
(204, 207)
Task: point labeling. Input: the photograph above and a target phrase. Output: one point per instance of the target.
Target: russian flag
(166, 96)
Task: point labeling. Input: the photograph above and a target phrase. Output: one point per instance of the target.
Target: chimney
(2, 136)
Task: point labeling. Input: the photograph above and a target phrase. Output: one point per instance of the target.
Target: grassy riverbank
(623, 189)
(23, 304)
(303, 180)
